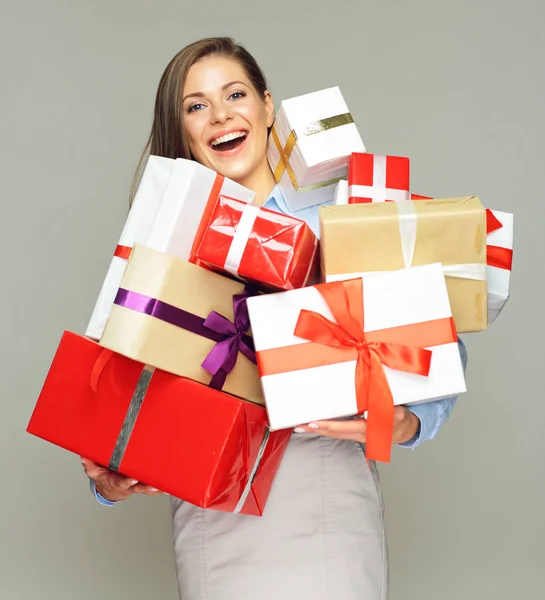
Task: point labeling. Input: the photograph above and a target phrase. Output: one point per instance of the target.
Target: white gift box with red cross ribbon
(499, 258)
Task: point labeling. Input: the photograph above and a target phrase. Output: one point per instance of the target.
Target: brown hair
(167, 136)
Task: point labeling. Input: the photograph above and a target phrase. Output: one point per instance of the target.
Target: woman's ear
(269, 108)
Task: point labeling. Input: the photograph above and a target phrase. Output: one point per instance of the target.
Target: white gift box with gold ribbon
(309, 146)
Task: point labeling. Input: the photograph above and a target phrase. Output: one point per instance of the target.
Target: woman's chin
(233, 168)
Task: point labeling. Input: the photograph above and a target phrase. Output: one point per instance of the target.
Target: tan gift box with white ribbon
(360, 239)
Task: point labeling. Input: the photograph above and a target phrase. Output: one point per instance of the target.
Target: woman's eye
(194, 107)
(237, 95)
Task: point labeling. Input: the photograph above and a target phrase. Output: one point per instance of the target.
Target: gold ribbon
(310, 129)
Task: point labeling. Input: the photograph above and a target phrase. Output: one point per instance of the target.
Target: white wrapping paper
(341, 193)
(396, 298)
(164, 216)
(498, 280)
(317, 157)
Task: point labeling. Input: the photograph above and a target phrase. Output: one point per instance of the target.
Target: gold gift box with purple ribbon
(183, 319)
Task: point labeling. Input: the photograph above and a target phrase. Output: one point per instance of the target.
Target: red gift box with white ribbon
(271, 249)
(376, 178)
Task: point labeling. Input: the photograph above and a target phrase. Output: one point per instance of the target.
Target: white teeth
(228, 137)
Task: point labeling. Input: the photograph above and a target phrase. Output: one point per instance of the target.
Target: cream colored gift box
(159, 284)
(374, 237)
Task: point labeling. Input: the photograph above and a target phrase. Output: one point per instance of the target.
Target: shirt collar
(276, 197)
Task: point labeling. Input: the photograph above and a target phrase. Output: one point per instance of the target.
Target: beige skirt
(321, 537)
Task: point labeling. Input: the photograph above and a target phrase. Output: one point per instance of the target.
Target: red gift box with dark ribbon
(255, 244)
(182, 437)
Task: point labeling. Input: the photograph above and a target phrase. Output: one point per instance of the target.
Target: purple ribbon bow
(230, 337)
(222, 358)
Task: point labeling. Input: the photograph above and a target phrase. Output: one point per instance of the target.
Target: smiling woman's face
(226, 119)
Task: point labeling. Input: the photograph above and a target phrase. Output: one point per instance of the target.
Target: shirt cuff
(98, 497)
(415, 440)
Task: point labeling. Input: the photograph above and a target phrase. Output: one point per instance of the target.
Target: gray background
(457, 86)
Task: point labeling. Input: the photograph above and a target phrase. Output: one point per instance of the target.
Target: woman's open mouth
(229, 142)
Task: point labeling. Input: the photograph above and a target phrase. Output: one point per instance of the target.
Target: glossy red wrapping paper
(278, 252)
(378, 178)
(189, 440)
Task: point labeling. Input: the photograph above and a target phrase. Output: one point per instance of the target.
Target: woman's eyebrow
(202, 94)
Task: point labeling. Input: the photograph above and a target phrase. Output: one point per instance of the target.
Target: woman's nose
(220, 113)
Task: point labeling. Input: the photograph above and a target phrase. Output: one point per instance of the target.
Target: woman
(322, 535)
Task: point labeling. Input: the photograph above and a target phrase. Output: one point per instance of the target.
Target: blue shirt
(432, 415)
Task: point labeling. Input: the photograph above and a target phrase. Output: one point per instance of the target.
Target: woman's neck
(261, 182)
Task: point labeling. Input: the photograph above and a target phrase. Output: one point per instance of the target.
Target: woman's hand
(406, 425)
(112, 485)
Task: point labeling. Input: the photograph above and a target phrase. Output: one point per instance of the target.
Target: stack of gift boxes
(221, 325)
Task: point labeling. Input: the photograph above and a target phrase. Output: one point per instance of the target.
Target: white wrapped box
(173, 201)
(499, 255)
(341, 193)
(309, 146)
(306, 381)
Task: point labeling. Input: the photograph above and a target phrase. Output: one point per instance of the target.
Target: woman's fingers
(109, 484)
(353, 429)
(113, 485)
(148, 490)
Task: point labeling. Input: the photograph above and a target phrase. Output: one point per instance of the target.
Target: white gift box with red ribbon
(499, 256)
(317, 389)
(170, 208)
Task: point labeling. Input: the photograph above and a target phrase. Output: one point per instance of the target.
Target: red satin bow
(372, 389)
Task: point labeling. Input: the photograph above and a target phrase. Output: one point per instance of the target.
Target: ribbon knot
(373, 394)
(221, 360)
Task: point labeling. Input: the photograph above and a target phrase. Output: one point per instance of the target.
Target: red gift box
(184, 438)
(376, 178)
(259, 245)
